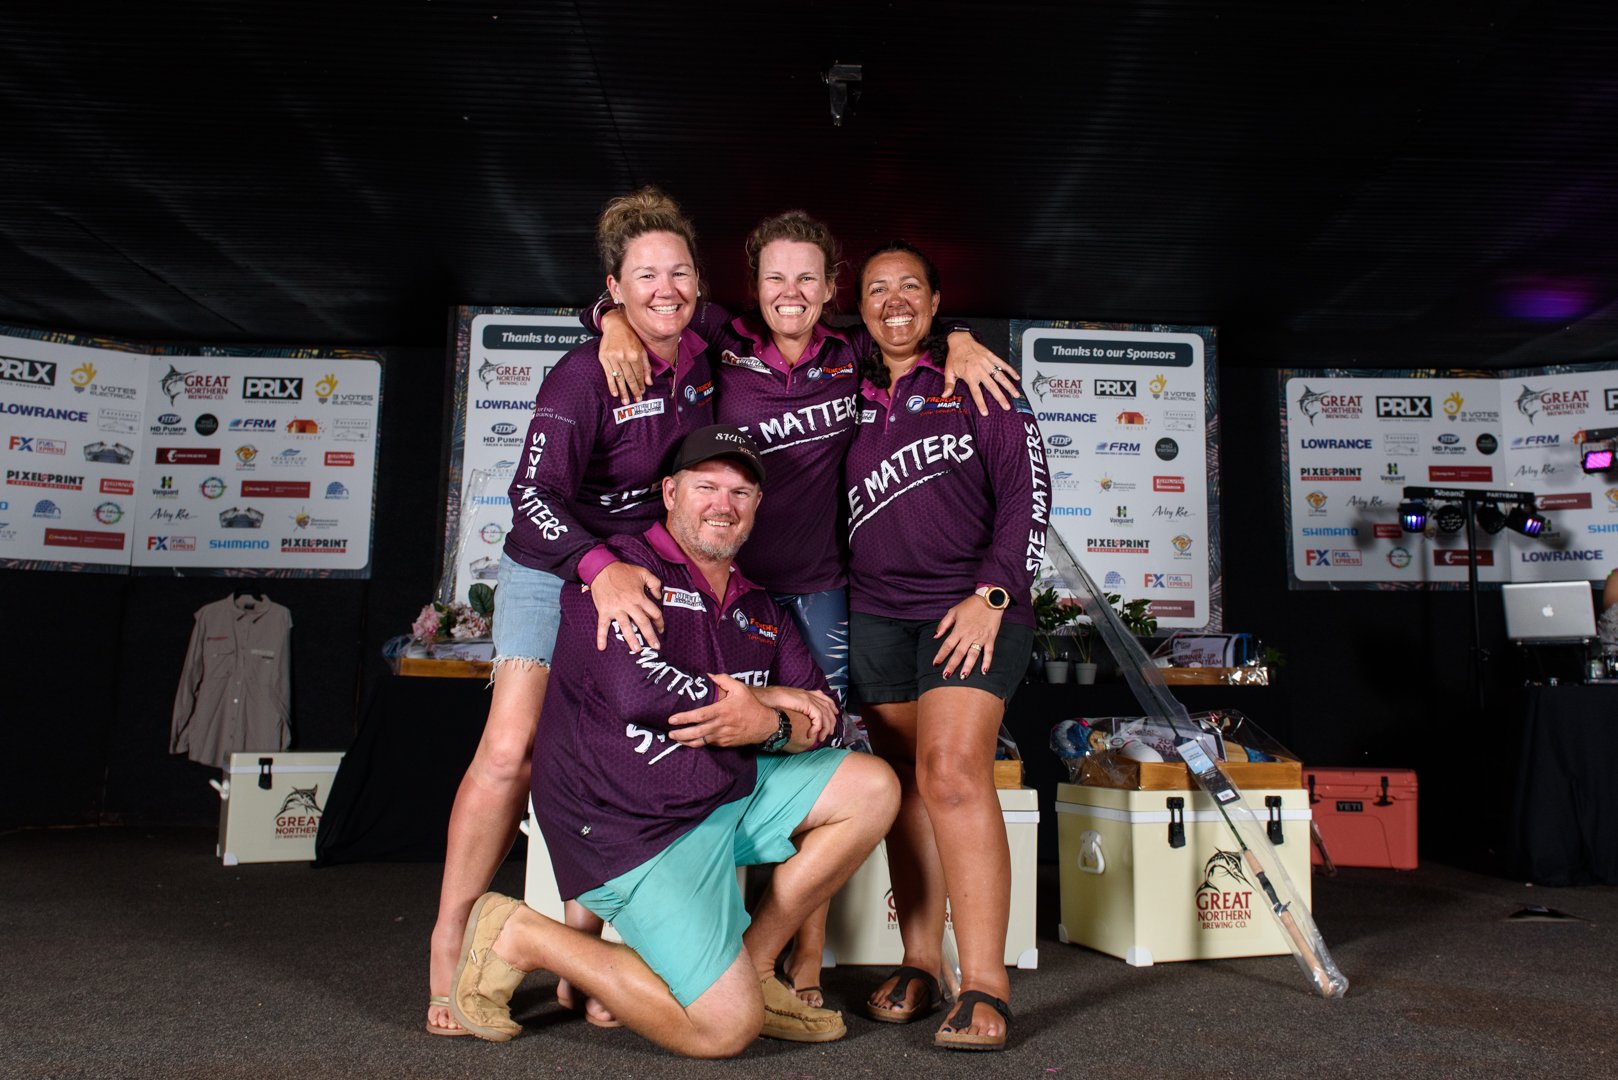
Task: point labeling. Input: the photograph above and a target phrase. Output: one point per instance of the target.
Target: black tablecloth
(392, 795)
(1565, 813)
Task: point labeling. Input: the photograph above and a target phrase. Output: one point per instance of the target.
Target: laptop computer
(1549, 612)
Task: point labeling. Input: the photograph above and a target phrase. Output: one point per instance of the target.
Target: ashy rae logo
(27, 372)
(299, 816)
(272, 388)
(1225, 897)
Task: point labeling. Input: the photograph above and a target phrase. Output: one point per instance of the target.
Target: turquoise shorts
(681, 910)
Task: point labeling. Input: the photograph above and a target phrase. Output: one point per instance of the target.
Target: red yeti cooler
(1367, 817)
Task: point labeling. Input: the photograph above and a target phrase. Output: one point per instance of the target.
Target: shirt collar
(690, 347)
(874, 393)
(669, 548)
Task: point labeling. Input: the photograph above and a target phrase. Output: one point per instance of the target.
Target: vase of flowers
(468, 620)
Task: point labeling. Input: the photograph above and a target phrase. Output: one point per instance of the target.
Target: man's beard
(691, 539)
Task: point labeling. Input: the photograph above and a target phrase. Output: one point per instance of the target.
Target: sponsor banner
(502, 357)
(1519, 434)
(85, 538)
(1122, 412)
(274, 430)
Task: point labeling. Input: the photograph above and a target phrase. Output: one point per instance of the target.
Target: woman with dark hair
(792, 382)
(947, 517)
(587, 470)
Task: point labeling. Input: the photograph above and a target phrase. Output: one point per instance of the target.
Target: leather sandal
(954, 1039)
(431, 1028)
(898, 1014)
(481, 997)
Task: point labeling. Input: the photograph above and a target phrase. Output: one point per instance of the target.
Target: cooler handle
(1091, 860)
(223, 789)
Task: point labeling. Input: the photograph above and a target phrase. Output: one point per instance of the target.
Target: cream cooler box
(863, 927)
(1129, 891)
(270, 805)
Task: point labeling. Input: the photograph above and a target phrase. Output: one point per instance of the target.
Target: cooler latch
(1384, 800)
(1272, 803)
(265, 765)
(1176, 806)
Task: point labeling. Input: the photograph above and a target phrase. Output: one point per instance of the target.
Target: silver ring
(998, 369)
(974, 645)
(616, 375)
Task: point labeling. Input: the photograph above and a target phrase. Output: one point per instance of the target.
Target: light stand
(1472, 500)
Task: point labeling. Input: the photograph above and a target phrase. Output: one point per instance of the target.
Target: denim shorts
(682, 910)
(527, 612)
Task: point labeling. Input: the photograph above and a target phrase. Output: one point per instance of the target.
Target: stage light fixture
(1413, 515)
(1450, 518)
(1596, 457)
(1525, 521)
(1490, 519)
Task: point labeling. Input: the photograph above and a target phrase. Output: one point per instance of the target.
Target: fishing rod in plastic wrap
(1297, 926)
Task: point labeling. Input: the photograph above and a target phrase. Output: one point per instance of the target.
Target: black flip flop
(896, 997)
(962, 1017)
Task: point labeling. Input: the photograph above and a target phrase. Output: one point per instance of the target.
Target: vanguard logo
(271, 388)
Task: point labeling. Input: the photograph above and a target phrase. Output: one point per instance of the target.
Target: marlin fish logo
(1528, 402)
(301, 799)
(1042, 382)
(1309, 404)
(173, 382)
(1223, 864)
(486, 372)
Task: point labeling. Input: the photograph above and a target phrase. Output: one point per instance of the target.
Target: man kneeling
(655, 777)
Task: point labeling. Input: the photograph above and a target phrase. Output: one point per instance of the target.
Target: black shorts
(892, 659)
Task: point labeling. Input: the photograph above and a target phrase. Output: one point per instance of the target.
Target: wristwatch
(781, 736)
(995, 597)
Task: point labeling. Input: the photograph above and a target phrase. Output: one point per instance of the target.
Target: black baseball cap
(715, 441)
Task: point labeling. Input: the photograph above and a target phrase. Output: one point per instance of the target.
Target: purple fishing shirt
(610, 788)
(941, 500)
(592, 468)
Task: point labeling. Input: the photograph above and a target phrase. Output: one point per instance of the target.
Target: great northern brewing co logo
(1225, 897)
(299, 816)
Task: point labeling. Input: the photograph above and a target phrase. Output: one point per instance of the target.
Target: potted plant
(1052, 614)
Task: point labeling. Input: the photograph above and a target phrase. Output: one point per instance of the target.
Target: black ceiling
(1331, 184)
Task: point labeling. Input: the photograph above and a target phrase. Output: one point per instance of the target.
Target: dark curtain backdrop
(91, 661)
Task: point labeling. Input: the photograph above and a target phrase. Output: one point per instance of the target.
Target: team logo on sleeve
(751, 363)
(625, 413)
(683, 598)
(842, 371)
(920, 403)
(754, 628)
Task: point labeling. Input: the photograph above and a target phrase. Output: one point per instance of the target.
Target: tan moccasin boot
(484, 983)
(787, 1017)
